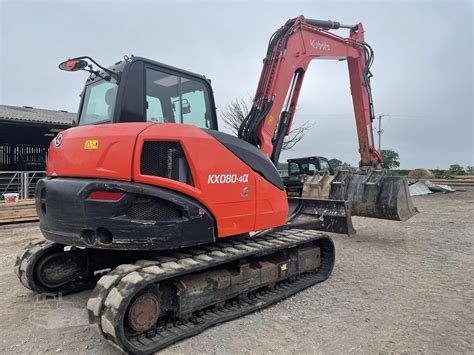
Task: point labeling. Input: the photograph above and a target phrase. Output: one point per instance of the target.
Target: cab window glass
(197, 107)
(324, 166)
(177, 99)
(294, 168)
(308, 168)
(154, 112)
(99, 102)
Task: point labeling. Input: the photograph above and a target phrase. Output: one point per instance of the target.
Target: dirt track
(397, 287)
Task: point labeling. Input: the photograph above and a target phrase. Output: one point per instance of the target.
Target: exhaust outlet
(88, 236)
(100, 235)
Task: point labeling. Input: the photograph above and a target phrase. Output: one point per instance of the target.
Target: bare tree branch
(235, 112)
(296, 135)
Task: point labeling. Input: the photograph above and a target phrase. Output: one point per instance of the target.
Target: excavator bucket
(317, 186)
(374, 195)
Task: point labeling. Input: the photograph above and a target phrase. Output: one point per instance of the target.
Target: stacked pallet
(21, 211)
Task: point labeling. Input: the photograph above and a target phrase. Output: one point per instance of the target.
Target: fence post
(21, 191)
(25, 185)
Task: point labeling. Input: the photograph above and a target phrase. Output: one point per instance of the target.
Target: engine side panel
(222, 182)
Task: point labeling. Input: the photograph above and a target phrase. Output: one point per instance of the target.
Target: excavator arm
(290, 51)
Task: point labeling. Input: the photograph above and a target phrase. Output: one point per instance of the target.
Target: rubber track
(26, 261)
(113, 293)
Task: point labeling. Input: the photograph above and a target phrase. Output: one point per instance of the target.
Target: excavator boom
(290, 51)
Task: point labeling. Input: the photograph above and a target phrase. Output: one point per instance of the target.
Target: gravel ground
(397, 287)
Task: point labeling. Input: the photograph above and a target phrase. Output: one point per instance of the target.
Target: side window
(160, 88)
(194, 107)
(294, 168)
(324, 166)
(311, 168)
(177, 99)
(154, 112)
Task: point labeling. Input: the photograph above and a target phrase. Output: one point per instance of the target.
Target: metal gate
(21, 182)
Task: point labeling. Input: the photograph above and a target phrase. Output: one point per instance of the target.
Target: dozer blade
(374, 195)
(322, 215)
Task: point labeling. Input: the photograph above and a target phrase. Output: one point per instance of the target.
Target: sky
(423, 68)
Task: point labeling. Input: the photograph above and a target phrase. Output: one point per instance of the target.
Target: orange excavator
(178, 226)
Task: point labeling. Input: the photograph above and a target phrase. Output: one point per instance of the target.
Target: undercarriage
(145, 301)
(147, 305)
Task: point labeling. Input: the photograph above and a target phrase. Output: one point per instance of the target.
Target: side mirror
(73, 65)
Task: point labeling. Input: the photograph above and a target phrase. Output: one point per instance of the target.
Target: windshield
(302, 168)
(99, 102)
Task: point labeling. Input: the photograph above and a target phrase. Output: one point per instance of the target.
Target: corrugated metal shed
(36, 115)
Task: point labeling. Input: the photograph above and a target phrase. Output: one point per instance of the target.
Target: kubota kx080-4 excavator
(195, 224)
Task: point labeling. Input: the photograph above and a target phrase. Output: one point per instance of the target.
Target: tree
(470, 170)
(456, 169)
(390, 159)
(235, 112)
(335, 163)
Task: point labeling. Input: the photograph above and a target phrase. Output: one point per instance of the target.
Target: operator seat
(110, 96)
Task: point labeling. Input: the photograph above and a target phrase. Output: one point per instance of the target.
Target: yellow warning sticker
(283, 267)
(270, 120)
(91, 144)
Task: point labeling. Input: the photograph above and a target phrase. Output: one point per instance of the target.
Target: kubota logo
(318, 45)
(58, 140)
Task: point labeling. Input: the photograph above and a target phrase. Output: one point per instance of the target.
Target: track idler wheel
(46, 267)
(57, 269)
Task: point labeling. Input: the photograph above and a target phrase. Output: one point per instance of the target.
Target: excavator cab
(141, 90)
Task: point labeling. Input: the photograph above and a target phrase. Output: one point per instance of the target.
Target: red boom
(290, 51)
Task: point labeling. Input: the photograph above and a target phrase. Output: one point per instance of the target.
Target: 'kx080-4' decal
(227, 178)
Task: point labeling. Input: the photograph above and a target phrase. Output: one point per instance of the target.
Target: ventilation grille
(147, 208)
(165, 159)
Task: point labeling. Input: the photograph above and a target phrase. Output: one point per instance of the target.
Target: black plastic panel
(250, 155)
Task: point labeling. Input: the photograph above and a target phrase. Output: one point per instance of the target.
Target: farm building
(25, 134)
